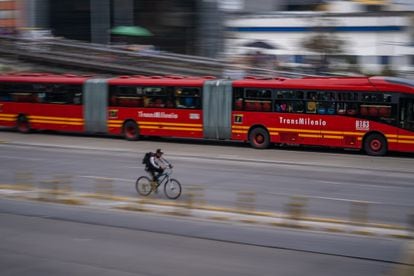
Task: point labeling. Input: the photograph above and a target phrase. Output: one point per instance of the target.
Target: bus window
(154, 96)
(326, 103)
(59, 94)
(348, 96)
(258, 93)
(238, 99)
(289, 101)
(407, 114)
(22, 93)
(126, 96)
(188, 97)
(5, 93)
(258, 99)
(311, 104)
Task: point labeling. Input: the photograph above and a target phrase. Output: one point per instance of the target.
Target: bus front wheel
(259, 138)
(131, 131)
(375, 144)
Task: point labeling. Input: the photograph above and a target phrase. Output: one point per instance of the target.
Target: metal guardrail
(110, 59)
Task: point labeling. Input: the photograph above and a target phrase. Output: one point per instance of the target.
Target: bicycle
(172, 187)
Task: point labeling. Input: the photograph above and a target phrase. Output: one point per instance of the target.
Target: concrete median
(192, 204)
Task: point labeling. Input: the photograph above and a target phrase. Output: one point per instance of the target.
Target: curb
(202, 211)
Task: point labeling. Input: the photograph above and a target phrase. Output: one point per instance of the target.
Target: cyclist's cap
(159, 151)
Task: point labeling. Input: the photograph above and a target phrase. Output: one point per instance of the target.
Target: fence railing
(84, 56)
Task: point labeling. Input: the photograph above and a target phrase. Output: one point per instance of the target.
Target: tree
(324, 42)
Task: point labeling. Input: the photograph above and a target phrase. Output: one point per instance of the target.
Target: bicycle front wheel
(172, 189)
(143, 186)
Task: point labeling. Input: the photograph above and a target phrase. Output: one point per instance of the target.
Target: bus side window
(238, 105)
(341, 108)
(188, 97)
(155, 96)
(238, 99)
(311, 104)
(311, 107)
(298, 106)
(352, 109)
(77, 99)
(5, 96)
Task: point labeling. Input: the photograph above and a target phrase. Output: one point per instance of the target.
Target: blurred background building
(368, 36)
(176, 25)
(9, 15)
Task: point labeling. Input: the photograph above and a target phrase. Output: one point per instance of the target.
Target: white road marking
(328, 198)
(22, 158)
(106, 178)
(346, 200)
(347, 184)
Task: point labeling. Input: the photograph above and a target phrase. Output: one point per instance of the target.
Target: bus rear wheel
(131, 131)
(23, 125)
(259, 138)
(375, 145)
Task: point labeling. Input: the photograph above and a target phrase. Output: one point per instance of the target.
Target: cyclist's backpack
(146, 159)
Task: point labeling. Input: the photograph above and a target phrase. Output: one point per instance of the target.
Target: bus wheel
(131, 131)
(23, 125)
(259, 138)
(375, 144)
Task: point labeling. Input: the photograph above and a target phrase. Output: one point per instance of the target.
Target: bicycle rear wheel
(143, 186)
(172, 189)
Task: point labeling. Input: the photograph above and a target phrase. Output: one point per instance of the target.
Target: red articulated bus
(375, 114)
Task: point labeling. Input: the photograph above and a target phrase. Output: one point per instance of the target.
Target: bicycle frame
(164, 177)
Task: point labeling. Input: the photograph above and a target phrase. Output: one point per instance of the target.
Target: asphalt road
(47, 239)
(332, 181)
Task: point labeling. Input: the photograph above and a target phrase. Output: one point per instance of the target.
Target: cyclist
(157, 164)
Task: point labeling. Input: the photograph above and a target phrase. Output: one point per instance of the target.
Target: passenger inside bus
(311, 106)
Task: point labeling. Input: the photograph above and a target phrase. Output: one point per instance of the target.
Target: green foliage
(387, 71)
(324, 44)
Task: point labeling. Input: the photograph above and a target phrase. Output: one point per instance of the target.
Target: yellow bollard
(65, 183)
(359, 213)
(23, 181)
(246, 201)
(104, 187)
(49, 190)
(296, 207)
(411, 224)
(197, 196)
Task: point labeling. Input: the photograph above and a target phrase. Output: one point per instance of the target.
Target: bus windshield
(402, 81)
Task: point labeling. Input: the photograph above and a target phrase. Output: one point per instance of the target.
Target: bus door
(217, 99)
(95, 103)
(406, 139)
